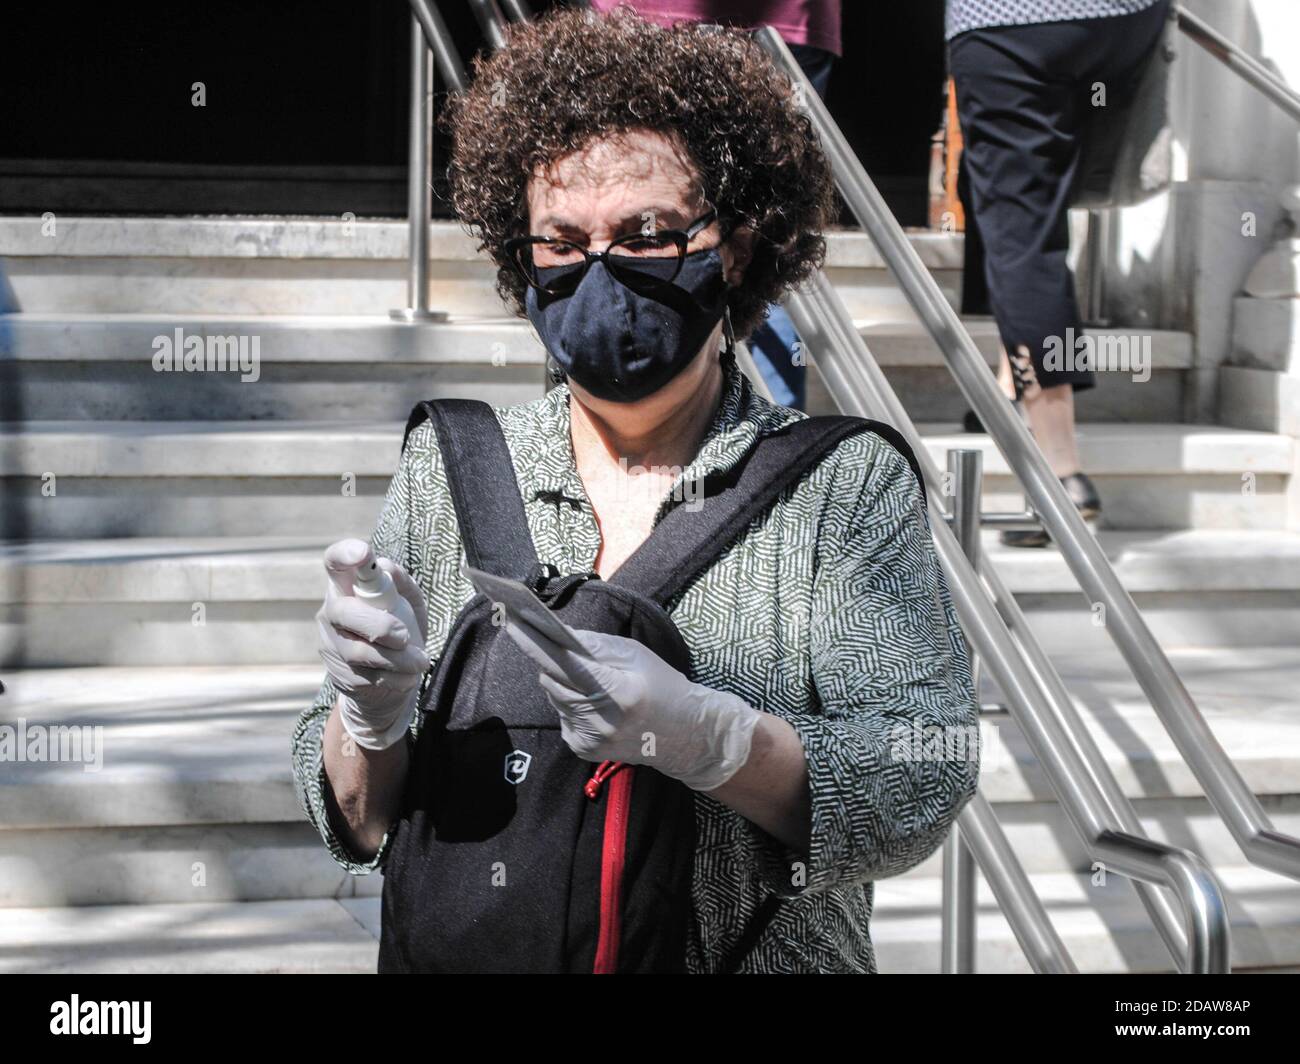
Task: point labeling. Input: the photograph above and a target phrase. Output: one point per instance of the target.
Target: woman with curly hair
(751, 716)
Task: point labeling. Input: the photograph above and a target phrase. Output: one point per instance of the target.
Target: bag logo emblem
(517, 763)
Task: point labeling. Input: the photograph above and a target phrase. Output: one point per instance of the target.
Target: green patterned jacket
(831, 612)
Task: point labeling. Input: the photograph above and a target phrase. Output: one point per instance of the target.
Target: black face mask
(622, 343)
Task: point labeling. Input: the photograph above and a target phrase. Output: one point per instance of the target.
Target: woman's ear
(737, 251)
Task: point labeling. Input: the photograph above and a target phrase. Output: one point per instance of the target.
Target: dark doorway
(304, 105)
(887, 95)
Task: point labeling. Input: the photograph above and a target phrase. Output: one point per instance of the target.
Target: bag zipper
(612, 856)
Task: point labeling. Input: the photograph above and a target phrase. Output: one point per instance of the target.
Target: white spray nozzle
(374, 585)
(370, 578)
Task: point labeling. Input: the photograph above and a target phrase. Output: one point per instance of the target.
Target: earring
(728, 333)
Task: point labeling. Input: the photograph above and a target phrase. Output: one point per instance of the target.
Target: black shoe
(1082, 492)
(1025, 537)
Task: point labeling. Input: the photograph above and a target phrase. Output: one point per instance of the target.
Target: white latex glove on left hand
(620, 701)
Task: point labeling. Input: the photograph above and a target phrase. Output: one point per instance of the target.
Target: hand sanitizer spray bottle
(376, 588)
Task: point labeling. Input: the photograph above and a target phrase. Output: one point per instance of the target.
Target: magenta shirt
(815, 22)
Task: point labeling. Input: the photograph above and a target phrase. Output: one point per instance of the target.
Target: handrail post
(957, 936)
(960, 912)
(419, 194)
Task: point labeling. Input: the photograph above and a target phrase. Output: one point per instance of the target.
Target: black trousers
(1025, 96)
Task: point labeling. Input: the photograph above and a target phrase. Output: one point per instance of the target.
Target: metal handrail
(1084, 786)
(1227, 792)
(1241, 63)
(518, 10)
(491, 22)
(444, 51)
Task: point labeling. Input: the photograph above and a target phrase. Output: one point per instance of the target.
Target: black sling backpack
(511, 854)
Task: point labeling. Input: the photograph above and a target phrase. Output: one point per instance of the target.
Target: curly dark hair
(572, 77)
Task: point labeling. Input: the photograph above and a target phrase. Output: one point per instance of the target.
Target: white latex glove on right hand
(620, 701)
(375, 662)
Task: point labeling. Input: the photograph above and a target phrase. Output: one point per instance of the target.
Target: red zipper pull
(606, 769)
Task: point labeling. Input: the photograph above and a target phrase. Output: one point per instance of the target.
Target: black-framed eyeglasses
(644, 260)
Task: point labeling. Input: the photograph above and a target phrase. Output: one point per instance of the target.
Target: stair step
(1104, 927)
(339, 368)
(210, 744)
(349, 367)
(172, 865)
(1244, 694)
(326, 266)
(289, 568)
(194, 798)
(202, 449)
(164, 478)
(237, 266)
(1132, 450)
(195, 478)
(163, 569)
(224, 237)
(906, 342)
(307, 448)
(1157, 476)
(1143, 391)
(190, 799)
(318, 340)
(178, 746)
(300, 936)
(1201, 587)
(1266, 334)
(1188, 560)
(137, 601)
(323, 339)
(1044, 840)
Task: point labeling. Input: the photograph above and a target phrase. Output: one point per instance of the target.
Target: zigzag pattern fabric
(831, 612)
(963, 15)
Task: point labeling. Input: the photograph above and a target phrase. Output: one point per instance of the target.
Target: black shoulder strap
(481, 476)
(688, 540)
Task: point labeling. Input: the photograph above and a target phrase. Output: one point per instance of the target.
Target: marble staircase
(134, 496)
